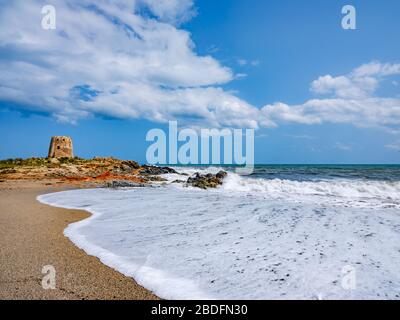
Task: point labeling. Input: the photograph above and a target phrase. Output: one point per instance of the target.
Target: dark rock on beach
(207, 181)
(123, 184)
(153, 170)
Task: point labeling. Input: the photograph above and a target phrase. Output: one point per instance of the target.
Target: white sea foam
(251, 238)
(355, 189)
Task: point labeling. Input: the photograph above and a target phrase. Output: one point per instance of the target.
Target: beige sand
(31, 236)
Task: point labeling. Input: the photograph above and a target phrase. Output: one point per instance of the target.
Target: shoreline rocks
(154, 171)
(207, 180)
(102, 172)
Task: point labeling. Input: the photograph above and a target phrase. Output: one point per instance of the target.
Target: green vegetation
(75, 160)
(38, 162)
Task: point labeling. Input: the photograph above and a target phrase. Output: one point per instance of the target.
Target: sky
(112, 70)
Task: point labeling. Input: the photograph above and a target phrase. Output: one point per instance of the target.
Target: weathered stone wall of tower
(61, 147)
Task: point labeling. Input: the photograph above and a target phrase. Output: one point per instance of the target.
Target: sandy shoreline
(31, 236)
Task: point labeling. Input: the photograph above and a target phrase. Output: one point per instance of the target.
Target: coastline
(31, 236)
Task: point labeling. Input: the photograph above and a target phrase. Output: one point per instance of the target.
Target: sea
(284, 232)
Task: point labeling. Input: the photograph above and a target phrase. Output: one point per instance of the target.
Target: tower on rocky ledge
(61, 147)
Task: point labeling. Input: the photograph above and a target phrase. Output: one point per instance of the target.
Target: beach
(286, 232)
(31, 236)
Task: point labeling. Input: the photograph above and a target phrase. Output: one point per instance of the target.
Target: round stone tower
(61, 147)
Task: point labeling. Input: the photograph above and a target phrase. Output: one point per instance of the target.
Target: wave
(335, 188)
(164, 284)
(341, 187)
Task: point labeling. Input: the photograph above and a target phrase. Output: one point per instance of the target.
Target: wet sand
(31, 236)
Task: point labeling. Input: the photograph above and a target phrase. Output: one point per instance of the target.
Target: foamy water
(253, 238)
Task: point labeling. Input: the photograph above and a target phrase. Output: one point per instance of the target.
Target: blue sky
(315, 92)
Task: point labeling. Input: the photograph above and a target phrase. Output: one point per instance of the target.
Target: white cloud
(122, 64)
(345, 87)
(376, 68)
(352, 101)
(109, 58)
(360, 83)
(381, 112)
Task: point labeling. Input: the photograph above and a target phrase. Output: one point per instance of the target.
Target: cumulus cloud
(345, 87)
(376, 68)
(383, 112)
(106, 58)
(352, 100)
(360, 83)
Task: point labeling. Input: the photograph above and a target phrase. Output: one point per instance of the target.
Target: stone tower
(61, 147)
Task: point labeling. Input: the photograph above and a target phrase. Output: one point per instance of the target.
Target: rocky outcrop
(207, 180)
(154, 171)
(61, 147)
(125, 167)
(76, 170)
(107, 172)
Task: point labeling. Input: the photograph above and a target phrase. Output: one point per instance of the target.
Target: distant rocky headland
(108, 172)
(79, 170)
(61, 166)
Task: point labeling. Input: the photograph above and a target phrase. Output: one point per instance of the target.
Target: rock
(125, 167)
(61, 147)
(123, 184)
(221, 175)
(206, 181)
(131, 164)
(153, 170)
(155, 179)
